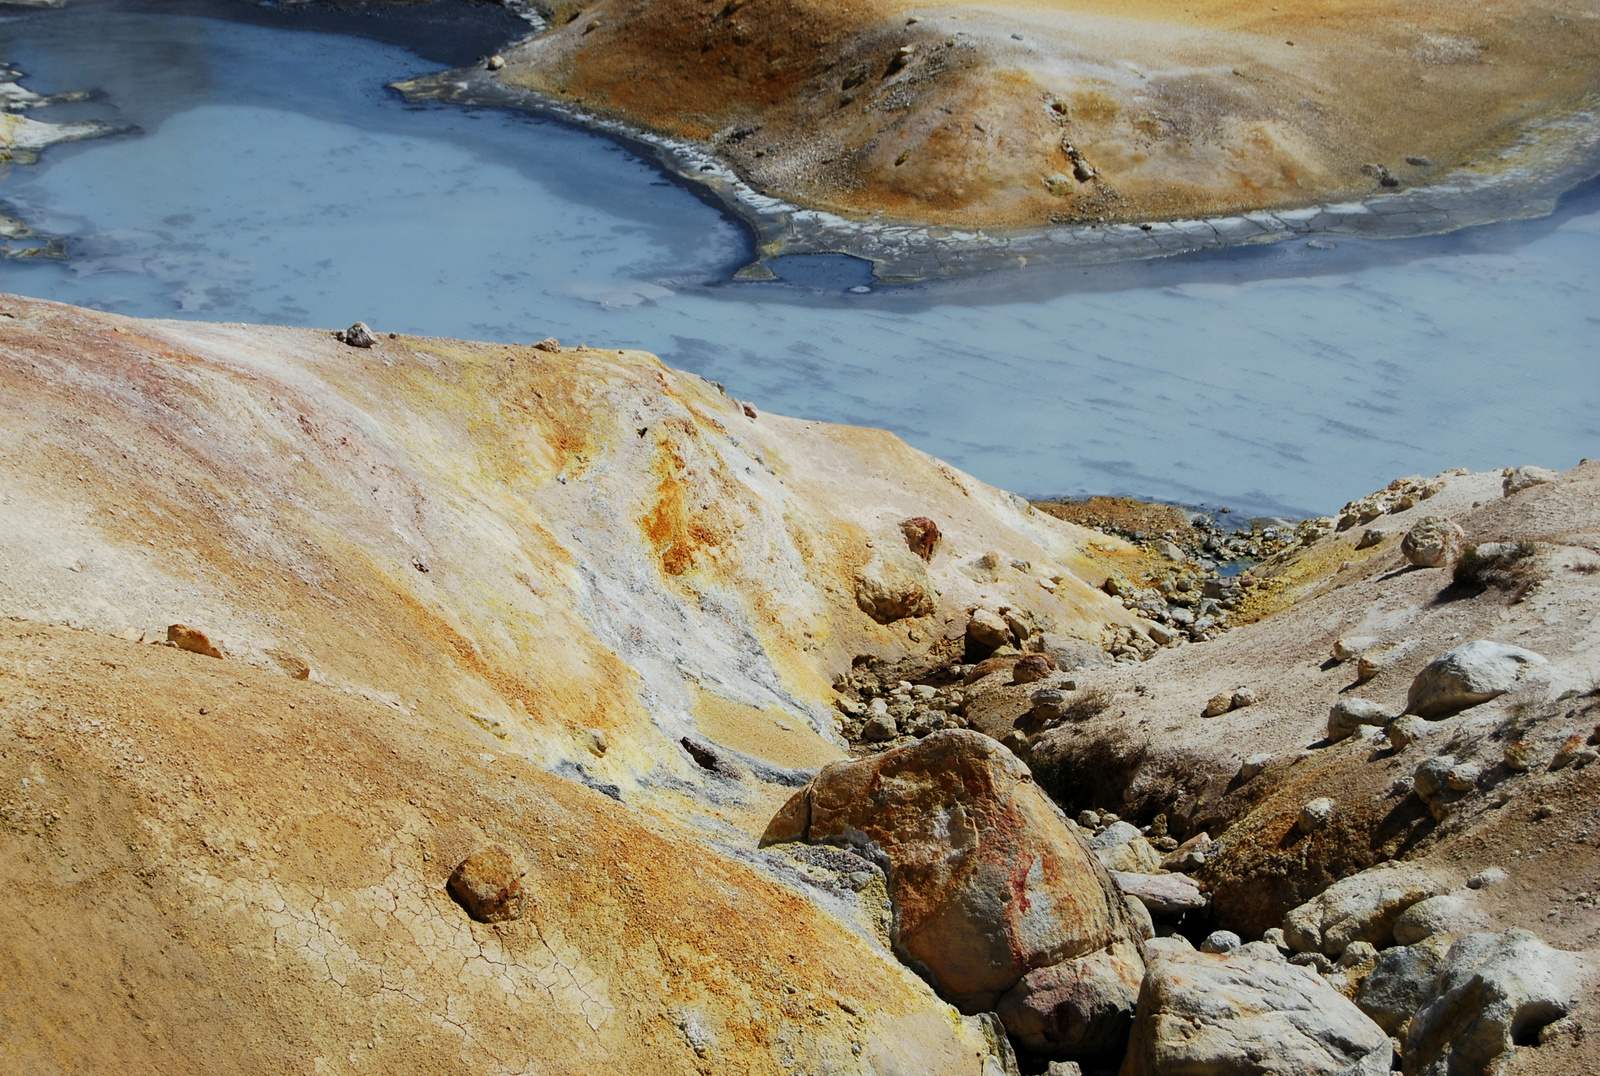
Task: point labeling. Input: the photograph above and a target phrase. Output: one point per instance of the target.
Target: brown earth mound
(1019, 114)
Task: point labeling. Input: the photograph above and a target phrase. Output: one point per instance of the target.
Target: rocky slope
(376, 703)
(1016, 115)
(566, 601)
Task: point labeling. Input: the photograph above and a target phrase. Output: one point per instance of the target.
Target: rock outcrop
(1492, 991)
(987, 880)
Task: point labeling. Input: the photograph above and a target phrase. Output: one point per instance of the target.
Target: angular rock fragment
(1316, 814)
(1031, 668)
(193, 640)
(922, 536)
(1348, 715)
(357, 335)
(1162, 894)
(1348, 647)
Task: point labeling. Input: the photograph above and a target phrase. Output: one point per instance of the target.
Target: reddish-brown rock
(987, 879)
(922, 535)
(193, 640)
(1031, 668)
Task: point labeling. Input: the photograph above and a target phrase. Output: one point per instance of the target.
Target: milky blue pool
(276, 179)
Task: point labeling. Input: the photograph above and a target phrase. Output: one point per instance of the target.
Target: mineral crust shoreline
(1525, 180)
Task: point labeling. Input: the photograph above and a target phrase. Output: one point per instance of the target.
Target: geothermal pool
(275, 178)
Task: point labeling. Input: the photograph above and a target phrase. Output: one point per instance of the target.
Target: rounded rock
(1031, 668)
(1487, 877)
(1463, 777)
(987, 631)
(488, 885)
(1316, 814)
(1435, 542)
(1221, 941)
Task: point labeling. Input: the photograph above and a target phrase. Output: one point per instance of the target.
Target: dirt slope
(467, 594)
(1153, 750)
(1022, 113)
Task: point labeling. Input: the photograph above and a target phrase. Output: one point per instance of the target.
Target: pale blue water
(277, 180)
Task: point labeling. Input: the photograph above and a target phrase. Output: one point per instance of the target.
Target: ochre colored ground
(1173, 109)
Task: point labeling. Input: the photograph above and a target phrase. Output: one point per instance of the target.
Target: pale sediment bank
(1523, 180)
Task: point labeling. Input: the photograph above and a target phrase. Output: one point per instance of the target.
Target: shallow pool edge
(1523, 181)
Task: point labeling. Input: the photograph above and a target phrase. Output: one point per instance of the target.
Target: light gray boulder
(1162, 894)
(1202, 1014)
(1071, 654)
(1362, 907)
(1492, 990)
(1401, 982)
(1121, 847)
(1520, 478)
(1221, 941)
(1448, 913)
(1253, 766)
(1348, 715)
(1468, 675)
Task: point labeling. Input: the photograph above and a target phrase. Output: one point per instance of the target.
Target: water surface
(274, 178)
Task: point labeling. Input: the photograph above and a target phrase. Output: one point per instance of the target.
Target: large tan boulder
(1362, 907)
(1213, 1014)
(1434, 542)
(893, 585)
(987, 879)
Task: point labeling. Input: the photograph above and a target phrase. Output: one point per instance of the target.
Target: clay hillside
(399, 705)
(1023, 113)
